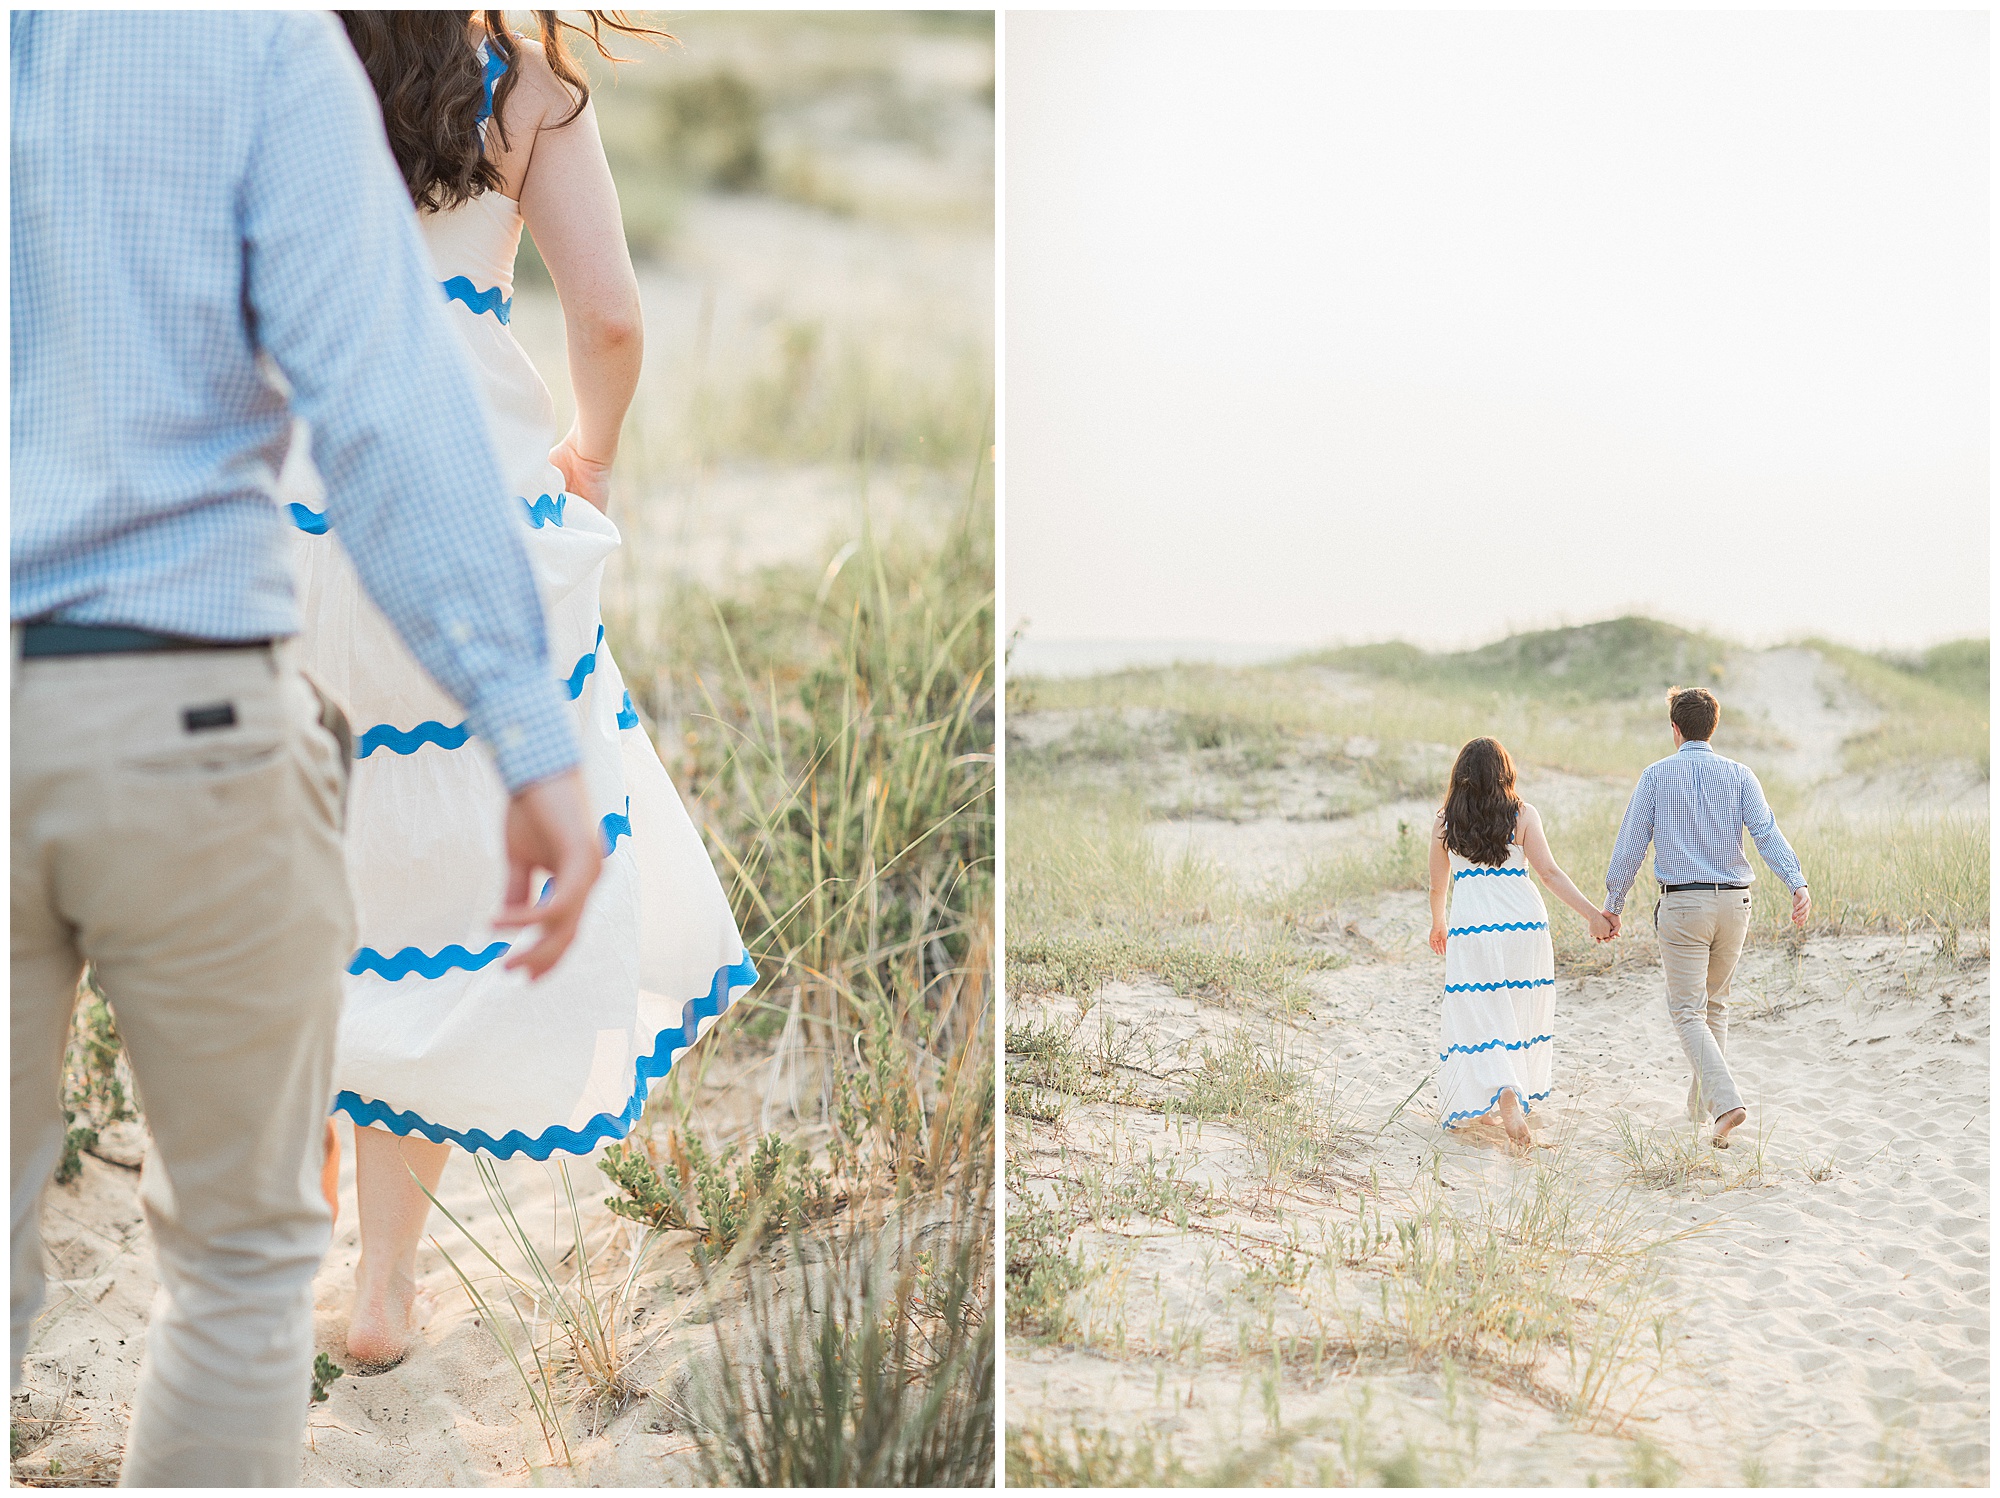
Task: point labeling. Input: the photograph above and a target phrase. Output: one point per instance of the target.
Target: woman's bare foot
(1727, 1125)
(394, 1179)
(1516, 1125)
(383, 1323)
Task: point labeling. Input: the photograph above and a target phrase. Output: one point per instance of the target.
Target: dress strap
(496, 67)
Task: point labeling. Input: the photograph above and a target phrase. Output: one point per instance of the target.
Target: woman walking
(442, 1044)
(1497, 1050)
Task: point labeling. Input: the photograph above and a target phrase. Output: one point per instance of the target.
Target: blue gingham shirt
(200, 198)
(1694, 809)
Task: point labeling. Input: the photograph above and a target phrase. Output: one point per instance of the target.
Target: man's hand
(1616, 924)
(1801, 905)
(549, 827)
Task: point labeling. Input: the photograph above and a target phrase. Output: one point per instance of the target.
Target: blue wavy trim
(616, 825)
(312, 522)
(1497, 873)
(547, 510)
(1503, 926)
(457, 735)
(649, 1068)
(409, 741)
(1528, 1102)
(398, 741)
(1505, 1045)
(1506, 983)
(416, 960)
(461, 289)
(627, 718)
(585, 664)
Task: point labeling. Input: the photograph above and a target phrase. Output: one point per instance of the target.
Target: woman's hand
(1601, 928)
(1437, 937)
(586, 478)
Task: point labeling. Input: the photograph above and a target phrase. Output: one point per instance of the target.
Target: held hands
(549, 828)
(1801, 905)
(584, 477)
(1604, 925)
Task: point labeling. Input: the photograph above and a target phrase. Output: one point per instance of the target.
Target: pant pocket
(328, 756)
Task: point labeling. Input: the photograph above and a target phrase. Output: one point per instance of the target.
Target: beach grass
(1093, 901)
(1933, 705)
(1086, 879)
(835, 742)
(843, 774)
(870, 1366)
(1327, 711)
(827, 719)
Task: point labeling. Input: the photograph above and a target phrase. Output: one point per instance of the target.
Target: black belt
(1670, 889)
(46, 639)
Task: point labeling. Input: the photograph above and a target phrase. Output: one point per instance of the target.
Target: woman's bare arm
(1440, 883)
(1535, 844)
(570, 205)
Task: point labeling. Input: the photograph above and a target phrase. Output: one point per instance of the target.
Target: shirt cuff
(527, 726)
(1614, 904)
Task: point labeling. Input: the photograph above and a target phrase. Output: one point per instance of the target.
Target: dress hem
(729, 983)
(1528, 1101)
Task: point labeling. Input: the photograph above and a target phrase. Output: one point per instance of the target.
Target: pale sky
(1353, 326)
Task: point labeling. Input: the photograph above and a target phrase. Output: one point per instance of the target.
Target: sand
(1831, 1323)
(454, 1412)
(1824, 1309)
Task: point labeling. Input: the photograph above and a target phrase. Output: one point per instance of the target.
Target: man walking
(203, 205)
(1694, 809)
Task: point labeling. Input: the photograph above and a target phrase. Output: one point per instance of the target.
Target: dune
(1810, 1307)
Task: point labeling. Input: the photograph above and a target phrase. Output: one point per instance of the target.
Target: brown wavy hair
(1480, 806)
(424, 65)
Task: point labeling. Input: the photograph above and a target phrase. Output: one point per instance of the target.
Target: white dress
(437, 1037)
(1498, 1023)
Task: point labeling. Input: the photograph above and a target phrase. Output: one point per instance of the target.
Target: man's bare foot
(1727, 1125)
(383, 1323)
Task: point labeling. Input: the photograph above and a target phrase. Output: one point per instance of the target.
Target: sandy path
(1829, 1324)
(1805, 707)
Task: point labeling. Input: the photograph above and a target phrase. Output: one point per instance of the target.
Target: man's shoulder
(220, 53)
(221, 33)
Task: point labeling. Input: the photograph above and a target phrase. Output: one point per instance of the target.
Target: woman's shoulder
(539, 98)
(1525, 816)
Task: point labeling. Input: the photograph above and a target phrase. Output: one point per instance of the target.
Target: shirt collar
(1701, 744)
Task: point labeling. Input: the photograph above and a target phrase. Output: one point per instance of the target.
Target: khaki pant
(1701, 937)
(199, 869)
